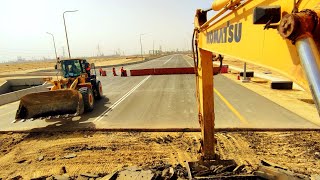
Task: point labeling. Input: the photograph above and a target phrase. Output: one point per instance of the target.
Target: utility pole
(65, 28)
(54, 45)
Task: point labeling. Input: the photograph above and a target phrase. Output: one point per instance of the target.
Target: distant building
(155, 52)
(19, 58)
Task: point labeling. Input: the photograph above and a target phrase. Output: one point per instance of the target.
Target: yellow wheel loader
(74, 94)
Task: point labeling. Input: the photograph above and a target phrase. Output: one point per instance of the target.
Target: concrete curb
(4, 87)
(16, 95)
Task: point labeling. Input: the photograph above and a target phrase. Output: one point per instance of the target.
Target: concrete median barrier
(35, 89)
(29, 81)
(224, 69)
(5, 87)
(248, 74)
(9, 92)
(16, 95)
(24, 92)
(141, 72)
(163, 71)
(8, 98)
(287, 85)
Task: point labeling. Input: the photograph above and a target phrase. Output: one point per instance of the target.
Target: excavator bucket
(50, 103)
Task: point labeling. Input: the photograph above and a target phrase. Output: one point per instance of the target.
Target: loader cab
(71, 68)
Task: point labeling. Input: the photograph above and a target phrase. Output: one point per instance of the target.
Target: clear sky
(112, 24)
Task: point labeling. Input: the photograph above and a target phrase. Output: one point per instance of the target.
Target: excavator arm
(282, 35)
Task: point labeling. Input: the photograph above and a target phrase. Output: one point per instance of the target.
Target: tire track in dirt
(185, 148)
(246, 152)
(227, 147)
(232, 146)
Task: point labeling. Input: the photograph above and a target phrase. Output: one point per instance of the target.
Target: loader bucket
(50, 103)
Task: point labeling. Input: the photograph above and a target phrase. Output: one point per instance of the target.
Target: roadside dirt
(96, 152)
(16, 70)
(32, 155)
(25, 66)
(29, 66)
(297, 151)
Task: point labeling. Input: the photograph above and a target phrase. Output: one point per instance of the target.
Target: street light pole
(54, 44)
(65, 28)
(141, 44)
(153, 48)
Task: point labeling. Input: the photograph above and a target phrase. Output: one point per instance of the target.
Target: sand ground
(32, 155)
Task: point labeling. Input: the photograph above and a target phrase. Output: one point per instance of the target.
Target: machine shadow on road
(77, 122)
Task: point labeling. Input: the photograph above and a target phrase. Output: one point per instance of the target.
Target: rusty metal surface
(301, 29)
(50, 103)
(296, 25)
(217, 169)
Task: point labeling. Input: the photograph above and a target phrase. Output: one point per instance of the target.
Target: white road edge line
(188, 61)
(120, 100)
(188, 56)
(168, 60)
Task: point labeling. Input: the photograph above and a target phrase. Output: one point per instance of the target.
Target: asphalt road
(165, 101)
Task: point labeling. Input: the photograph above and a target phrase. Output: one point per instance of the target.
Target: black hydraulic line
(220, 57)
(195, 57)
(207, 10)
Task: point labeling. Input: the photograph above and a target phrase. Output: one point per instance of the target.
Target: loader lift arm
(281, 35)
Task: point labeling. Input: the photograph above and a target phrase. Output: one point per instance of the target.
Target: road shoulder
(296, 101)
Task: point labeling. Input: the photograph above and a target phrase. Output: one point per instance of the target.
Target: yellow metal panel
(206, 104)
(236, 35)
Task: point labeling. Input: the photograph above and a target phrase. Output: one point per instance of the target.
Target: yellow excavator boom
(282, 35)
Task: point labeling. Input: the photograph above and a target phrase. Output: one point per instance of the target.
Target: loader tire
(99, 92)
(88, 98)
